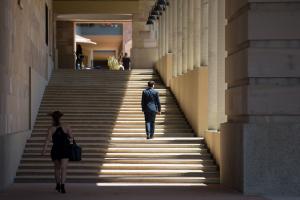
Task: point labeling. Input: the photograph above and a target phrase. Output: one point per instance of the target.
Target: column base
(261, 159)
(11, 150)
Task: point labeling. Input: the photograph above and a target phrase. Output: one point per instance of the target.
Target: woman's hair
(56, 115)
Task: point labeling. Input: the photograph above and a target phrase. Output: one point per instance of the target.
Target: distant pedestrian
(61, 136)
(150, 107)
(79, 56)
(126, 61)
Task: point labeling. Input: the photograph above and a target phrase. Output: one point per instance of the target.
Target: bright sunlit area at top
(100, 40)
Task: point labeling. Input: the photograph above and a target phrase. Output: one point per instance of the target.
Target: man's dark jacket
(150, 100)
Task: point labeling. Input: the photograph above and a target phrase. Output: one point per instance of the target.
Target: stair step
(128, 150)
(103, 105)
(120, 166)
(119, 130)
(126, 181)
(160, 140)
(128, 145)
(122, 93)
(126, 117)
(136, 155)
(134, 99)
(111, 135)
(85, 172)
(125, 161)
(101, 101)
(102, 124)
(114, 115)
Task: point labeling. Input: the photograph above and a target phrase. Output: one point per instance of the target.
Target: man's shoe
(151, 136)
(148, 137)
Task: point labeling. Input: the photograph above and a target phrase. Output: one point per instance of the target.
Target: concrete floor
(92, 192)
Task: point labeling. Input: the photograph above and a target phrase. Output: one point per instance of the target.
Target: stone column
(65, 44)
(197, 33)
(163, 36)
(213, 65)
(170, 27)
(179, 37)
(191, 45)
(144, 51)
(160, 48)
(174, 32)
(204, 33)
(185, 36)
(260, 142)
(167, 12)
(92, 58)
(221, 63)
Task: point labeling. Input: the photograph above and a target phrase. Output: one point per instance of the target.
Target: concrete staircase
(103, 110)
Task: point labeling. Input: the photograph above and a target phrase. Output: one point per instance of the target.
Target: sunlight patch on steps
(166, 138)
(151, 165)
(154, 153)
(152, 171)
(151, 184)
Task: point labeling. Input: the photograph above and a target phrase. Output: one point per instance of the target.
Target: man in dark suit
(150, 107)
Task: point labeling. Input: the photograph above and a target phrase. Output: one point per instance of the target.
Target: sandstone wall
(25, 58)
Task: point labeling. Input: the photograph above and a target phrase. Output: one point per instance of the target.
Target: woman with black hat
(61, 136)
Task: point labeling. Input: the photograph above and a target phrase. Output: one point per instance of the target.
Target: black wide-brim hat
(56, 114)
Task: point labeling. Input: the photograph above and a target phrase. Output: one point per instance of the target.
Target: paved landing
(26, 191)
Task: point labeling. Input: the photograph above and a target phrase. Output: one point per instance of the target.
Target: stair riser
(140, 125)
(70, 173)
(103, 103)
(141, 140)
(116, 181)
(111, 116)
(93, 169)
(95, 151)
(100, 105)
(37, 155)
(110, 145)
(114, 130)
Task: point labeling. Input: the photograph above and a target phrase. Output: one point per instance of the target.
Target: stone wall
(191, 91)
(24, 50)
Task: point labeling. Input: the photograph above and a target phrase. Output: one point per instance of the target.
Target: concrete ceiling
(96, 6)
(96, 0)
(94, 17)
